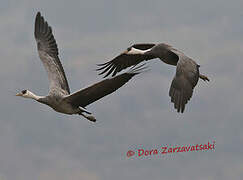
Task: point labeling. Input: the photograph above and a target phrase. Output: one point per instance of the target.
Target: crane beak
(19, 94)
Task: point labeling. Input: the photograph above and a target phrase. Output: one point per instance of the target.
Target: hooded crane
(59, 97)
(187, 70)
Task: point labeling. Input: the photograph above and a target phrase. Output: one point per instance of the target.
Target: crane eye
(129, 49)
(24, 91)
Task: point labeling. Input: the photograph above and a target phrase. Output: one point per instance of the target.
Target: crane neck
(41, 99)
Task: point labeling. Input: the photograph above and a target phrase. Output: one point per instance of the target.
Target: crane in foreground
(59, 97)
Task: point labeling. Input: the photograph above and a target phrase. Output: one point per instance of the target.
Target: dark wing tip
(44, 36)
(38, 14)
(108, 67)
(138, 69)
(102, 64)
(179, 98)
(39, 23)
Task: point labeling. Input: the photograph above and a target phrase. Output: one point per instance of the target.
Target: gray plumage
(59, 97)
(187, 70)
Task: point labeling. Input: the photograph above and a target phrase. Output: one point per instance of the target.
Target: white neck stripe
(137, 51)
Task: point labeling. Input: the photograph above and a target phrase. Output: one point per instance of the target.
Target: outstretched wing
(97, 91)
(186, 78)
(48, 53)
(132, 56)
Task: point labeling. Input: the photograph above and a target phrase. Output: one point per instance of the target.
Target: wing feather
(48, 52)
(186, 78)
(125, 60)
(101, 89)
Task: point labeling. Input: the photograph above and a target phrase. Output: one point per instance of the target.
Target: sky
(39, 143)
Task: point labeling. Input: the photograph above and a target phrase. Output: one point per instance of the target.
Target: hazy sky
(39, 143)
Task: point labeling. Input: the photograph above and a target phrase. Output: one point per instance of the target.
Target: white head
(27, 94)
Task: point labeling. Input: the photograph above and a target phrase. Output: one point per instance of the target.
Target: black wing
(125, 60)
(97, 91)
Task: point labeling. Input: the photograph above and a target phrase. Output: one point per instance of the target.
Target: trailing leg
(205, 78)
(90, 118)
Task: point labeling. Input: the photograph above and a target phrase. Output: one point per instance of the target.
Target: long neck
(41, 99)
